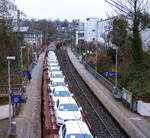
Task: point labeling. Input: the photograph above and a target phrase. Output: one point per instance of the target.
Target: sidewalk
(4, 127)
(135, 125)
(29, 119)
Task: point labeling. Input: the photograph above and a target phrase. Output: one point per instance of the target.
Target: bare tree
(47, 28)
(3, 8)
(130, 7)
(134, 9)
(7, 9)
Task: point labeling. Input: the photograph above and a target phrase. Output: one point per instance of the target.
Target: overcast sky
(64, 9)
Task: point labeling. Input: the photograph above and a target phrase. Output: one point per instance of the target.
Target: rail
(101, 119)
(119, 93)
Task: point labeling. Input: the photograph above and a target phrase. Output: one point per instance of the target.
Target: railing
(14, 88)
(4, 90)
(103, 80)
(127, 98)
(119, 93)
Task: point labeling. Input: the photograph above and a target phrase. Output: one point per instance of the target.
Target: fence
(129, 100)
(17, 106)
(120, 94)
(104, 81)
(4, 90)
(15, 88)
(125, 96)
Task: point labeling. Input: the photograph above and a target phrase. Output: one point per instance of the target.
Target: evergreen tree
(133, 9)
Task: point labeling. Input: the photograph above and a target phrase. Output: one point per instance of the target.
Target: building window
(93, 30)
(81, 35)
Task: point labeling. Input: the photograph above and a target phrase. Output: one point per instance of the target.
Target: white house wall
(81, 31)
(85, 32)
(90, 29)
(101, 32)
(102, 29)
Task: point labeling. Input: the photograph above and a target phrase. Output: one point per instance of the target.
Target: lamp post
(30, 51)
(116, 66)
(28, 57)
(96, 44)
(21, 60)
(77, 39)
(9, 58)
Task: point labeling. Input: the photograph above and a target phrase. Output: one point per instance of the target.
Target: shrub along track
(101, 121)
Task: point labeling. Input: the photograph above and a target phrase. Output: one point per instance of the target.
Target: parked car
(56, 82)
(52, 69)
(53, 64)
(50, 53)
(60, 92)
(67, 109)
(56, 74)
(54, 60)
(50, 57)
(74, 129)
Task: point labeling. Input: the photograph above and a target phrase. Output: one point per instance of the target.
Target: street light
(30, 48)
(116, 79)
(77, 39)
(9, 58)
(21, 60)
(96, 44)
(28, 57)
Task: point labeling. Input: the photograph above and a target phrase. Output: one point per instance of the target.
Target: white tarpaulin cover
(143, 108)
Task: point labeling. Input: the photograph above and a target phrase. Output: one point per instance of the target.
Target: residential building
(29, 37)
(95, 30)
(90, 30)
(81, 31)
(104, 29)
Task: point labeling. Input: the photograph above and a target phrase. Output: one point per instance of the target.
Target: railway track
(101, 121)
